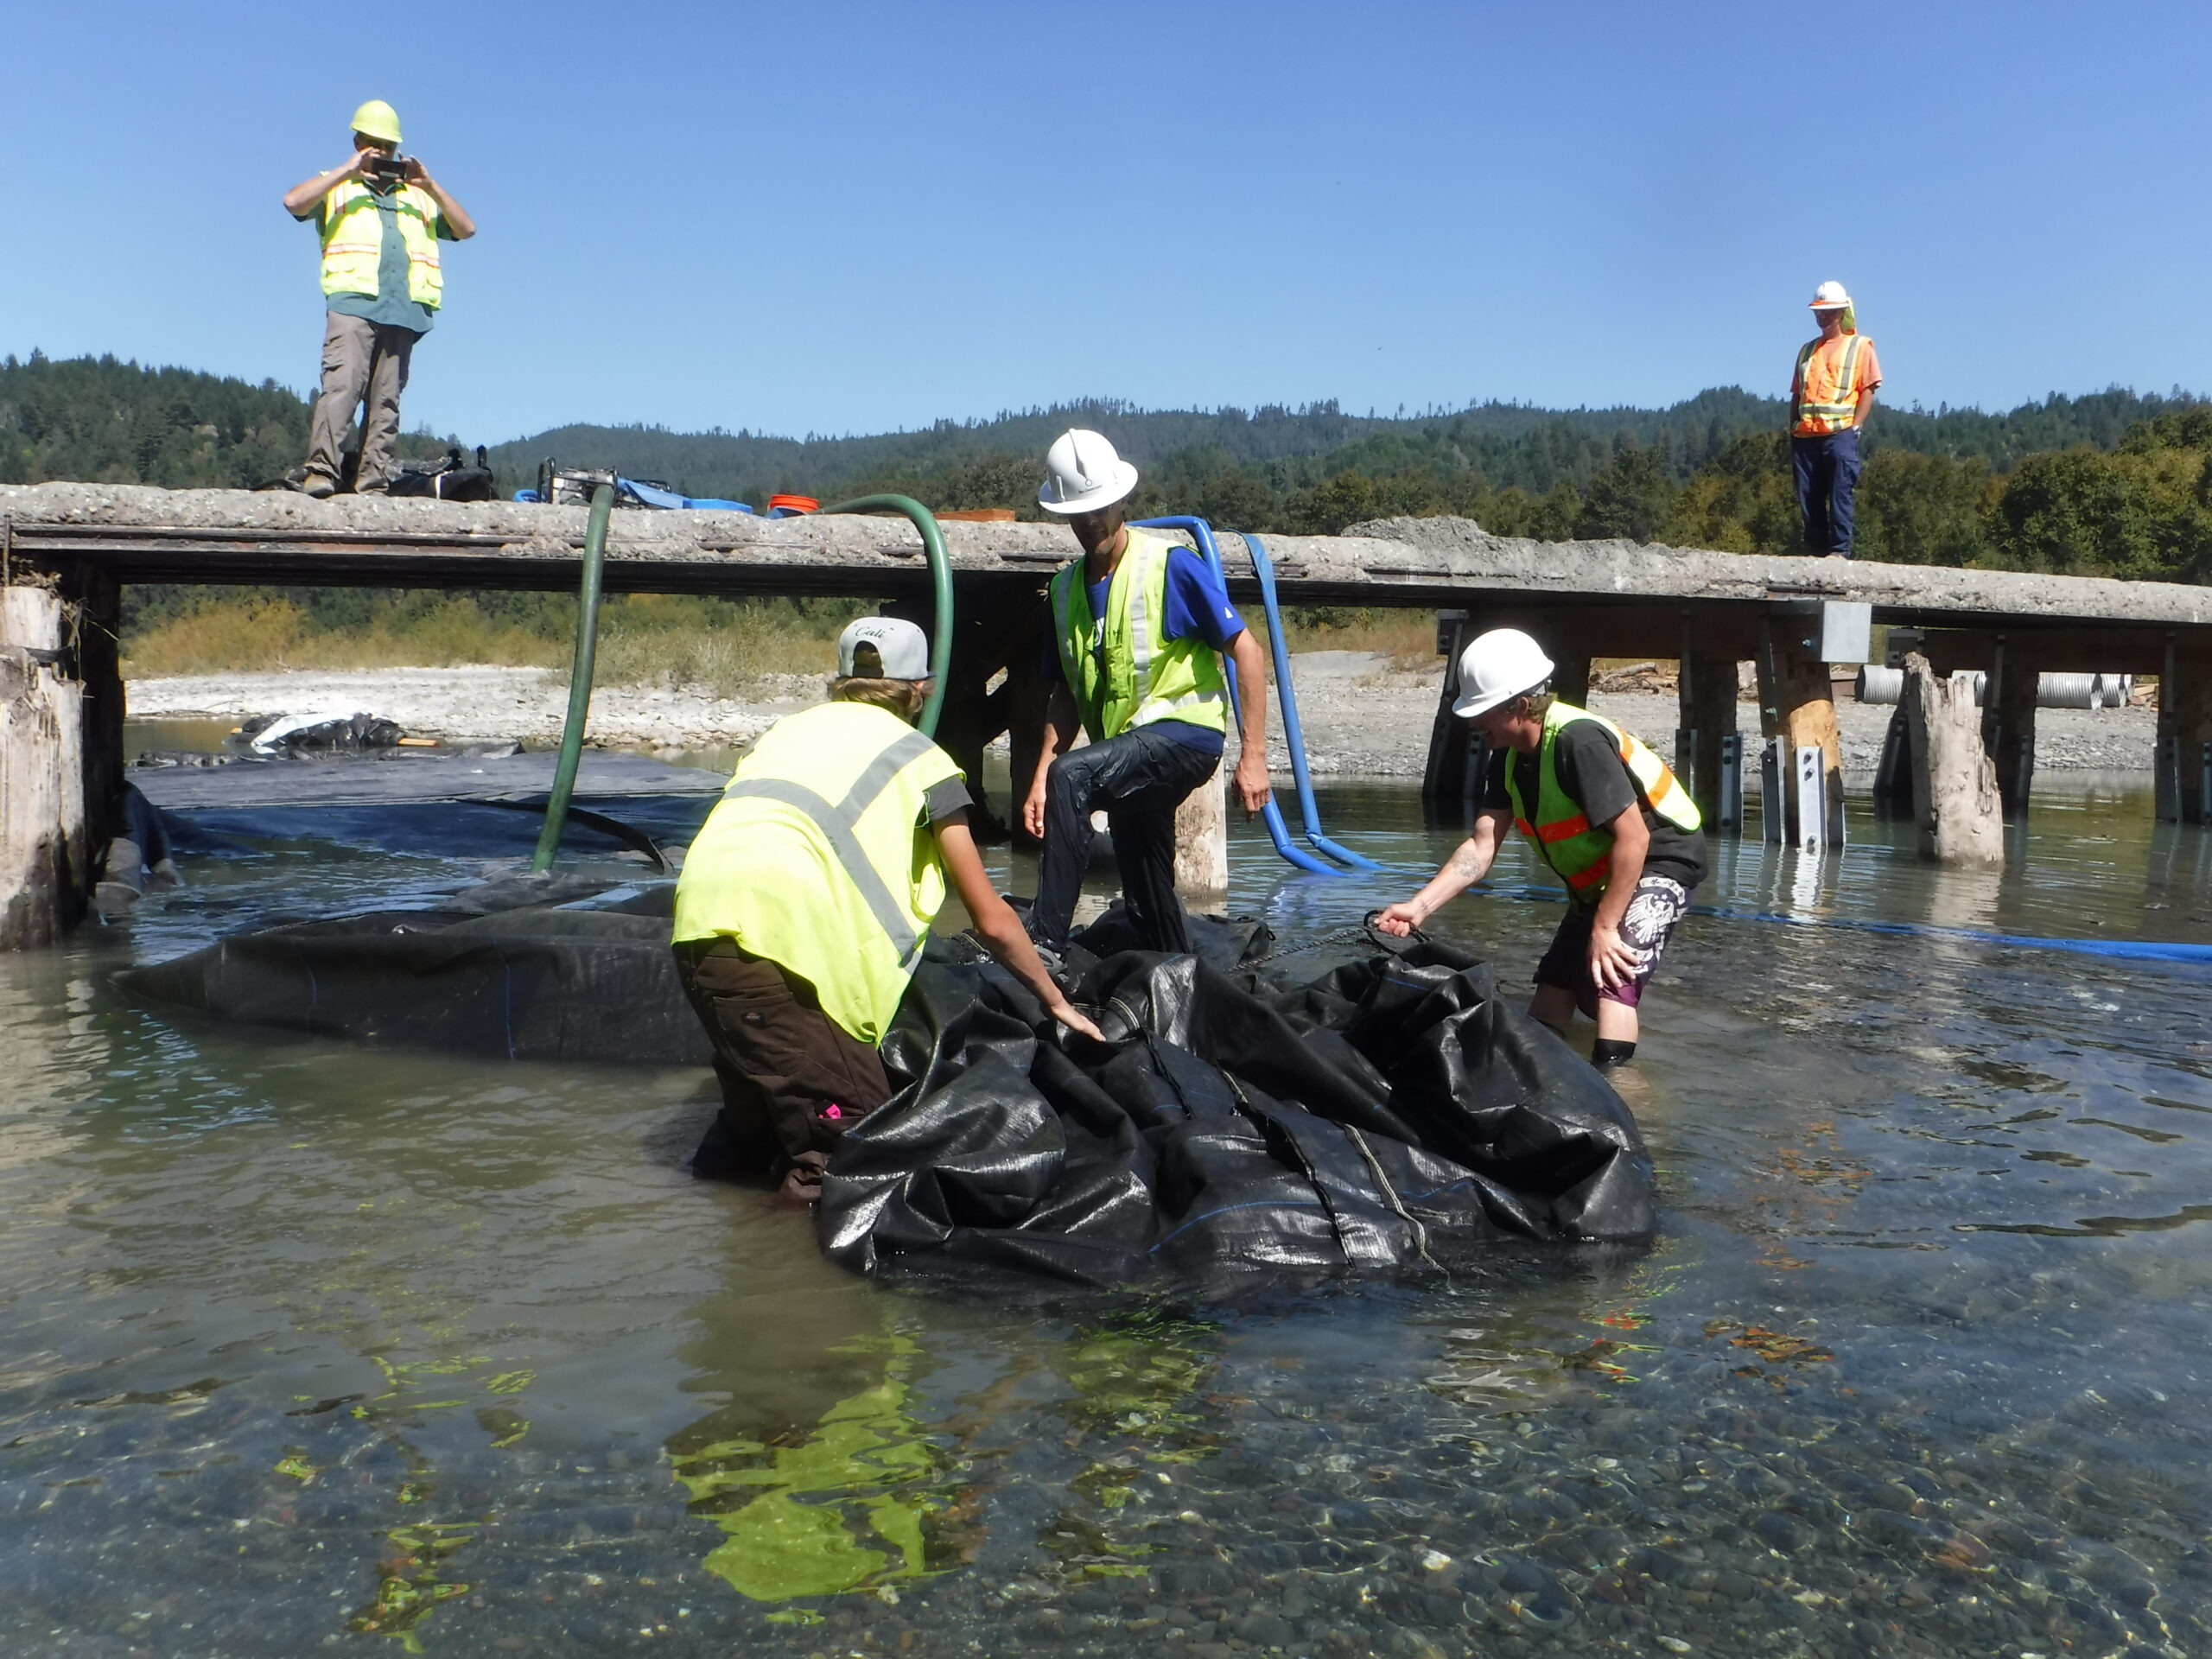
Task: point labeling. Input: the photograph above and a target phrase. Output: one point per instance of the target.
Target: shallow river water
(306, 1348)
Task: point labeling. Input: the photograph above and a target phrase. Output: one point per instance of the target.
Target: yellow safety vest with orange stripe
(1809, 418)
(1580, 852)
(353, 241)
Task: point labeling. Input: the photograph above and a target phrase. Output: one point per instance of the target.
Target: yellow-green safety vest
(353, 241)
(1580, 852)
(1837, 414)
(1122, 672)
(819, 856)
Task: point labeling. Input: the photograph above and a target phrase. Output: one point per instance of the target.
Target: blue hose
(2118, 949)
(1270, 815)
(1293, 735)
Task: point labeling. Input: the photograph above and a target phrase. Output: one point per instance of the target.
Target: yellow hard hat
(378, 119)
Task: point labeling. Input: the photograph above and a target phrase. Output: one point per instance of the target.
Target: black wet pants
(1139, 777)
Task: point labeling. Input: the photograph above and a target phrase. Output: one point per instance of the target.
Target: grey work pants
(361, 360)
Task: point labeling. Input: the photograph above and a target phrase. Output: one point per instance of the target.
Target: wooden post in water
(2008, 721)
(2184, 727)
(1202, 839)
(1707, 701)
(45, 850)
(1797, 705)
(1955, 797)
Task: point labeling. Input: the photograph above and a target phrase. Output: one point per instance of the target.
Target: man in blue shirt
(1136, 623)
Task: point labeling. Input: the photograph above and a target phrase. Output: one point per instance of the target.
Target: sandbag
(1392, 1112)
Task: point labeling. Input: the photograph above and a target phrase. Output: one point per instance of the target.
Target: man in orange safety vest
(1831, 394)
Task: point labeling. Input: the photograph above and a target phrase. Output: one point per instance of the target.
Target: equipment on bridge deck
(1496, 667)
(1286, 696)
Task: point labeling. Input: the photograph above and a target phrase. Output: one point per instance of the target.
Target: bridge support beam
(2008, 720)
(60, 747)
(1708, 704)
(996, 687)
(1796, 704)
(2184, 731)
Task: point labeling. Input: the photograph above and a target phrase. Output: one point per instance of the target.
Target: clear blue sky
(844, 217)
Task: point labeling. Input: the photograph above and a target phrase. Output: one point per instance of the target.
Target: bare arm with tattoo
(1461, 871)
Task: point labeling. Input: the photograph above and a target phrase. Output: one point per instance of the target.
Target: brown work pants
(362, 362)
(793, 1079)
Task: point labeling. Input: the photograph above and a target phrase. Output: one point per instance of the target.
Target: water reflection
(309, 1344)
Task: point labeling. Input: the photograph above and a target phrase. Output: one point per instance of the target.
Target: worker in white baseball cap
(1136, 623)
(806, 900)
(1601, 809)
(1831, 394)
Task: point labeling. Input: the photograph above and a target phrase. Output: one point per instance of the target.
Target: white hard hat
(1830, 296)
(1083, 474)
(902, 651)
(1498, 667)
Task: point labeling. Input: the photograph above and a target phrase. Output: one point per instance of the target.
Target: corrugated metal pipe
(1879, 684)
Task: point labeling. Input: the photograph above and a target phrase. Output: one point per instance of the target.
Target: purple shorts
(1659, 902)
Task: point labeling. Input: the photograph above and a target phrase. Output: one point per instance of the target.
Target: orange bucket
(793, 503)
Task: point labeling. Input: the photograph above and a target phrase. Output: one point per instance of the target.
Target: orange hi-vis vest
(1817, 408)
(1581, 852)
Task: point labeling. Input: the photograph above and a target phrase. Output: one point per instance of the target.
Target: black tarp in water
(1393, 1112)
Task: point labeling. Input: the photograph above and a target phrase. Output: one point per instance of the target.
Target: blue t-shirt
(1198, 609)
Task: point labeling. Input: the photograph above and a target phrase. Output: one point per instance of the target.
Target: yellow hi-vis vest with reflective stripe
(1809, 419)
(819, 856)
(353, 241)
(1580, 852)
(1122, 672)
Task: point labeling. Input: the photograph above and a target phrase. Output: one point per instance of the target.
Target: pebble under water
(310, 1346)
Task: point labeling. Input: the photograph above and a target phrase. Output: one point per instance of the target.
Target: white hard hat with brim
(1830, 296)
(1083, 473)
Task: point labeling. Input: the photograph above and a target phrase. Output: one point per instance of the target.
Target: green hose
(572, 730)
(940, 581)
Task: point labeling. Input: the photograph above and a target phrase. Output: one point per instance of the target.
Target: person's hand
(1074, 1019)
(357, 165)
(1613, 961)
(1399, 920)
(1033, 810)
(416, 173)
(1253, 784)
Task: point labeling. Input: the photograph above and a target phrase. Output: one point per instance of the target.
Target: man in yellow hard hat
(1831, 395)
(382, 217)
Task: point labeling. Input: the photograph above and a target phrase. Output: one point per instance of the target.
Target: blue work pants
(1827, 472)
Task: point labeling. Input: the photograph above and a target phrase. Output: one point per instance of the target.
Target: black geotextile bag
(541, 982)
(1392, 1112)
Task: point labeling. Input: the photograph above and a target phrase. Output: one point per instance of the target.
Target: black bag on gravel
(1391, 1113)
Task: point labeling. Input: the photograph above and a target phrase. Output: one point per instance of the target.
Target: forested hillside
(2116, 482)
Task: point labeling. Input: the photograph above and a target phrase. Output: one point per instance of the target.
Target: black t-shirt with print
(1597, 779)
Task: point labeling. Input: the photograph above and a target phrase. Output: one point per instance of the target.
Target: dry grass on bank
(644, 639)
(230, 635)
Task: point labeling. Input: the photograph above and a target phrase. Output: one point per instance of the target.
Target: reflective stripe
(1565, 828)
(1591, 877)
(1844, 403)
(841, 824)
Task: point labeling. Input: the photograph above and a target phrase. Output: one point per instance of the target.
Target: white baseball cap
(902, 649)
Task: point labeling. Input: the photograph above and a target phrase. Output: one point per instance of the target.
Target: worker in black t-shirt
(1601, 809)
